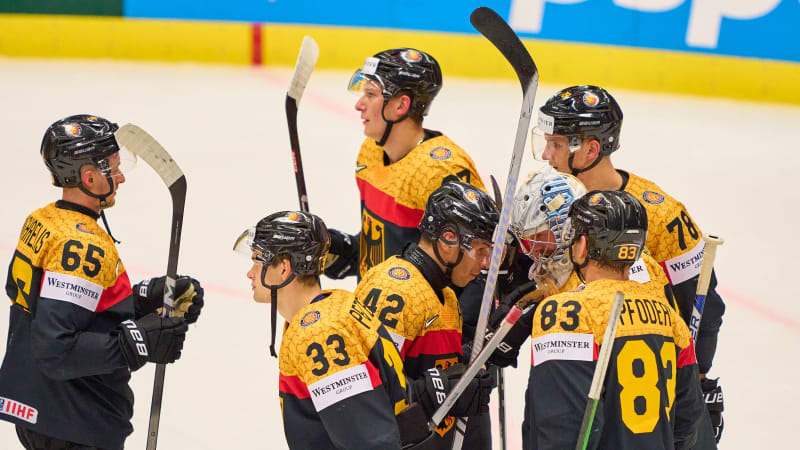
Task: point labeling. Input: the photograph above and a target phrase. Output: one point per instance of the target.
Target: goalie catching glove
(151, 338)
(149, 297)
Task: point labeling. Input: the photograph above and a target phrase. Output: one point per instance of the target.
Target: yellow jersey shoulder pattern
(673, 238)
(76, 260)
(422, 327)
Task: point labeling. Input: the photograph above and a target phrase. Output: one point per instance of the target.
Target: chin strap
(575, 171)
(577, 267)
(273, 294)
(103, 204)
(389, 124)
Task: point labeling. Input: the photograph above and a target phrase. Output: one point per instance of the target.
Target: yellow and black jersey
(341, 378)
(425, 329)
(645, 270)
(675, 241)
(63, 374)
(393, 196)
(651, 397)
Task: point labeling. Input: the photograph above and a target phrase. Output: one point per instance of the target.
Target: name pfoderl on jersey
(564, 346)
(19, 410)
(72, 289)
(646, 312)
(638, 272)
(339, 386)
(685, 266)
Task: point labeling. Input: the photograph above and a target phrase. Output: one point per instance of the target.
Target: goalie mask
(539, 211)
(614, 223)
(301, 237)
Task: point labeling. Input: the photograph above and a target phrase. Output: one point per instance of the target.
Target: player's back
(339, 371)
(651, 398)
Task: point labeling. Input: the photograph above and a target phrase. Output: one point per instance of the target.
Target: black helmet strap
(389, 123)
(577, 267)
(575, 171)
(448, 267)
(273, 295)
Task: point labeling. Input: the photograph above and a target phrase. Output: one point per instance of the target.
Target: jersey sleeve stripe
(686, 356)
(436, 342)
(384, 205)
(293, 385)
(374, 374)
(119, 291)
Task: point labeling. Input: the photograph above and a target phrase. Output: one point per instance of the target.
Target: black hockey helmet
(461, 208)
(614, 223)
(402, 70)
(581, 112)
(303, 237)
(74, 142)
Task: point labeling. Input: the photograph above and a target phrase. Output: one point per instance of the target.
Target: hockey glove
(507, 351)
(712, 394)
(434, 387)
(148, 297)
(342, 259)
(152, 338)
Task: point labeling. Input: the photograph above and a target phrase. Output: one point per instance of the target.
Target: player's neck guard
(428, 267)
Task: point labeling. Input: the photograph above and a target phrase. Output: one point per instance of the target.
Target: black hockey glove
(712, 394)
(342, 259)
(148, 296)
(433, 388)
(152, 338)
(507, 352)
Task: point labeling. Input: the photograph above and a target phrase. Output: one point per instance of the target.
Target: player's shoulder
(394, 274)
(67, 241)
(651, 195)
(369, 154)
(439, 157)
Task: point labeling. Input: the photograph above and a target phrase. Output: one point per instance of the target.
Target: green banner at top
(75, 7)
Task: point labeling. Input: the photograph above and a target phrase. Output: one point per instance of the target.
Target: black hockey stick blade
(146, 147)
(497, 31)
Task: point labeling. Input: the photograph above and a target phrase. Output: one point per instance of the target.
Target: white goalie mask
(540, 209)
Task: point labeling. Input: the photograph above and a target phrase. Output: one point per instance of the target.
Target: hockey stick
(306, 59)
(497, 31)
(501, 382)
(144, 146)
(706, 268)
(505, 326)
(600, 371)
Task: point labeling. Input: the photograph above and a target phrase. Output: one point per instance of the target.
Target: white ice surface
(730, 162)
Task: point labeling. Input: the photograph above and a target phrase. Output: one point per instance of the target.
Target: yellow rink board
(345, 48)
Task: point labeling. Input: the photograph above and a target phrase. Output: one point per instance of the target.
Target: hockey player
(341, 377)
(651, 397)
(410, 293)
(400, 162)
(539, 211)
(580, 126)
(76, 329)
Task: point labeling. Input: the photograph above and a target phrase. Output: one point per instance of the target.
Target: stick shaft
(704, 280)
